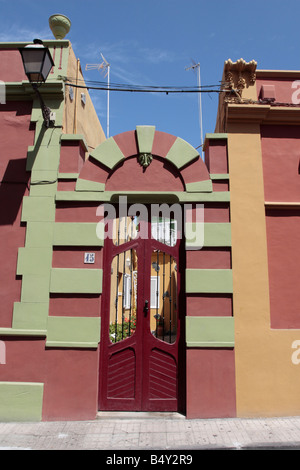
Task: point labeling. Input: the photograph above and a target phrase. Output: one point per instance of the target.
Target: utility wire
(96, 85)
(146, 90)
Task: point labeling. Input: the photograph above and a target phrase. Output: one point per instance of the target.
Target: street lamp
(37, 62)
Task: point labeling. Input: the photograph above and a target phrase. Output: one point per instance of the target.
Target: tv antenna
(196, 68)
(104, 67)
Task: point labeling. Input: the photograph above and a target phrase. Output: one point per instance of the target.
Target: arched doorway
(142, 347)
(142, 336)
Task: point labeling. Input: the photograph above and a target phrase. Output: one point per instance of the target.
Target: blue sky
(152, 42)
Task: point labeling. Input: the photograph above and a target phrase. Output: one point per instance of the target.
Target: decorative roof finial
(60, 25)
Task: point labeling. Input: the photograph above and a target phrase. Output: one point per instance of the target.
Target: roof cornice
(261, 114)
(46, 42)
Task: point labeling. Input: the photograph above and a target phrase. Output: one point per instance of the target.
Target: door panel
(162, 375)
(140, 325)
(121, 374)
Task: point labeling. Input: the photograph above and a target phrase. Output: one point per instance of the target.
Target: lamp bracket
(48, 115)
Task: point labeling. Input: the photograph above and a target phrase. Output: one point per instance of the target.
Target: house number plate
(89, 258)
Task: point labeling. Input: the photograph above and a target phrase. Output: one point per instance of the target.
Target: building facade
(136, 276)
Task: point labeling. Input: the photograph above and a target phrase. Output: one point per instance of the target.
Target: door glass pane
(163, 296)
(164, 230)
(124, 229)
(123, 296)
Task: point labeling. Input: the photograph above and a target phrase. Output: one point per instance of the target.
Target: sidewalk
(152, 431)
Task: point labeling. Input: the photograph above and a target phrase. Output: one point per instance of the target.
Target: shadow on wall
(12, 190)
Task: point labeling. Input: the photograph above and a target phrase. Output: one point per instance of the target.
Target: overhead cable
(92, 85)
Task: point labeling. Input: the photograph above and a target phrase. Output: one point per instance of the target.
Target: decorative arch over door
(150, 153)
(142, 364)
(148, 166)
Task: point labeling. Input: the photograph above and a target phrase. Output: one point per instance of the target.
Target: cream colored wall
(267, 381)
(79, 118)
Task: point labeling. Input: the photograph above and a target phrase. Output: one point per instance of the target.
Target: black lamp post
(37, 62)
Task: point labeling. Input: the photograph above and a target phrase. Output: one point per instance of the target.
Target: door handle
(146, 308)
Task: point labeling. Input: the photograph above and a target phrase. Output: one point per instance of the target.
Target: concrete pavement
(152, 431)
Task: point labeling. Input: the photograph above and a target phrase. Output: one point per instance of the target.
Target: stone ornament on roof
(60, 25)
(238, 75)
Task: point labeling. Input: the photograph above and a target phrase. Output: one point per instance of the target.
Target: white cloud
(16, 33)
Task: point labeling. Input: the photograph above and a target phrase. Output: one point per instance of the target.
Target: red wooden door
(141, 354)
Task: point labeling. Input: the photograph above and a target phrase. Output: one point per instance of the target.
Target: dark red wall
(281, 168)
(281, 160)
(283, 236)
(211, 383)
(16, 136)
(12, 69)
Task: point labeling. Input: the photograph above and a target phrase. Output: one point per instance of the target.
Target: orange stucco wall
(267, 379)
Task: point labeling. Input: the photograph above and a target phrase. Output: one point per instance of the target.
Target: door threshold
(139, 415)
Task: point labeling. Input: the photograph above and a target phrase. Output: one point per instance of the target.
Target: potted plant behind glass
(159, 325)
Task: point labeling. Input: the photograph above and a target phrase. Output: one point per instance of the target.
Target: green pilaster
(31, 313)
(210, 332)
(76, 281)
(77, 234)
(35, 287)
(21, 401)
(39, 234)
(34, 260)
(38, 209)
(218, 281)
(73, 332)
(212, 234)
(30, 316)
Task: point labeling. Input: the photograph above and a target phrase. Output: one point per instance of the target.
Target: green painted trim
(145, 137)
(33, 260)
(219, 176)
(39, 234)
(73, 332)
(43, 157)
(30, 316)
(22, 332)
(181, 153)
(216, 136)
(23, 90)
(68, 176)
(21, 401)
(143, 196)
(199, 186)
(86, 185)
(214, 332)
(212, 234)
(72, 281)
(217, 234)
(43, 177)
(43, 183)
(75, 137)
(56, 104)
(209, 281)
(47, 42)
(76, 234)
(72, 344)
(43, 189)
(35, 288)
(108, 153)
(38, 209)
